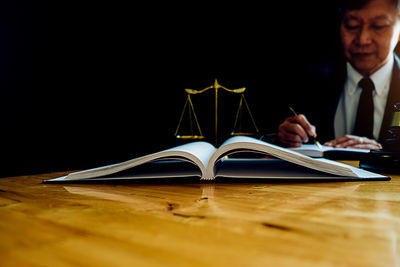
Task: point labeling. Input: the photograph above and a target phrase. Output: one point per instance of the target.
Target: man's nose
(364, 36)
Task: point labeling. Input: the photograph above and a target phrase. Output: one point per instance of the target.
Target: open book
(330, 152)
(207, 162)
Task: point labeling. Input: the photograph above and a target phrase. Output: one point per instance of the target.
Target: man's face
(369, 35)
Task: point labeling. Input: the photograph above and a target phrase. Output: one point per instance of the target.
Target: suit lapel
(393, 97)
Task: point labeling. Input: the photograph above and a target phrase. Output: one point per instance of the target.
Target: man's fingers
(368, 146)
(347, 143)
(290, 139)
(290, 126)
(340, 141)
(352, 141)
(305, 124)
(295, 130)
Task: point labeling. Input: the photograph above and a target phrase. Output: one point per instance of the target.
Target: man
(369, 32)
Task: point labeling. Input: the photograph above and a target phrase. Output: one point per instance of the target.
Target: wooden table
(199, 224)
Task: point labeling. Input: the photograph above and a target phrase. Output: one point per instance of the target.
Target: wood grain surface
(199, 224)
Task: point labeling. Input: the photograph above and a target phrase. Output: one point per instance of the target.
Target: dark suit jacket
(320, 94)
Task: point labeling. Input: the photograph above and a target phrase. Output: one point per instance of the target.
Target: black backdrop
(85, 83)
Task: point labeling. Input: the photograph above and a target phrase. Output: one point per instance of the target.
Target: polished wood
(199, 224)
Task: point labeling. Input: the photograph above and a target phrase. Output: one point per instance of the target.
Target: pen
(312, 139)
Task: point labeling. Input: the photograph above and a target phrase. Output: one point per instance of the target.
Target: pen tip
(318, 144)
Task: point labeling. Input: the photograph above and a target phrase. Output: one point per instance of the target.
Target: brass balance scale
(196, 134)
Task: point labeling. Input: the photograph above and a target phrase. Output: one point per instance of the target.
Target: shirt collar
(381, 77)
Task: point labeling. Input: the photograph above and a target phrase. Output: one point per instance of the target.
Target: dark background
(87, 83)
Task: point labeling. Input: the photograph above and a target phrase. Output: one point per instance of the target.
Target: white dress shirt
(346, 111)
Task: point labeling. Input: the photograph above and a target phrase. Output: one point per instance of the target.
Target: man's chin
(365, 67)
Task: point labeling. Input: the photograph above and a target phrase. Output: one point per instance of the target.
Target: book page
(242, 143)
(198, 153)
(268, 169)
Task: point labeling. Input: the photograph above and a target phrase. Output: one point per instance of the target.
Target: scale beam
(215, 86)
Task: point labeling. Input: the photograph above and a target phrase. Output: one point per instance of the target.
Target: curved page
(198, 153)
(242, 143)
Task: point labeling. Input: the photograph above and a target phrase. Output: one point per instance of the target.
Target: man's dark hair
(358, 4)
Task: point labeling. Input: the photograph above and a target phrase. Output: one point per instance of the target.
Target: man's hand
(353, 141)
(295, 131)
